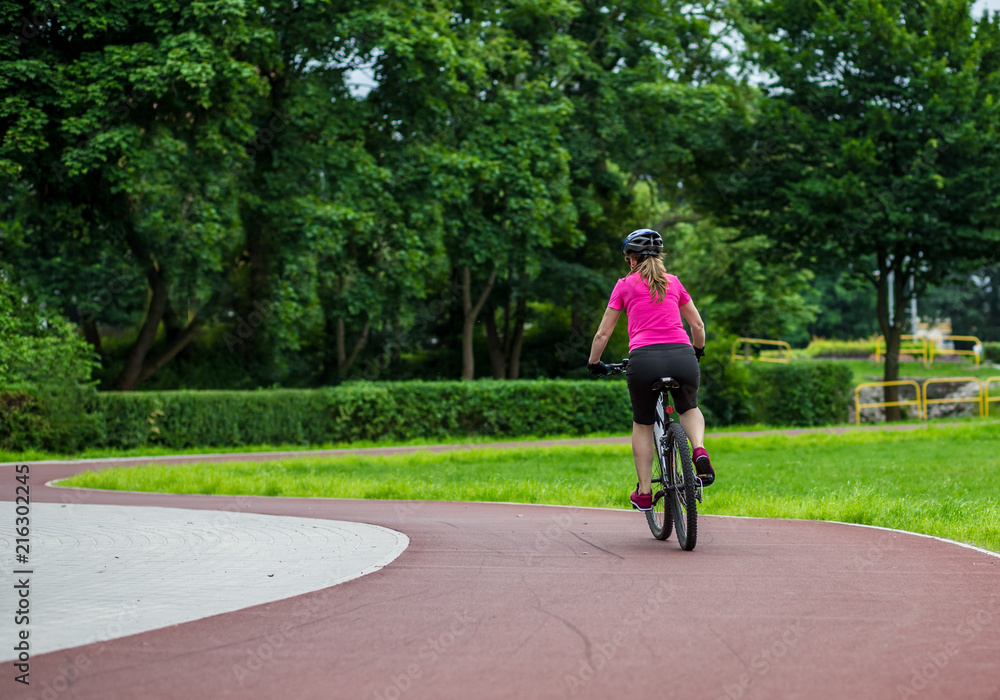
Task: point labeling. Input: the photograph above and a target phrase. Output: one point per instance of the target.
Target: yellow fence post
(986, 395)
(977, 343)
(881, 404)
(763, 341)
(978, 400)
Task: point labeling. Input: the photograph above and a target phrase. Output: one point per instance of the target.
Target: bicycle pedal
(698, 488)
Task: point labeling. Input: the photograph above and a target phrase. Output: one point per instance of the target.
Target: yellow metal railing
(881, 404)
(762, 341)
(978, 399)
(986, 395)
(910, 351)
(975, 352)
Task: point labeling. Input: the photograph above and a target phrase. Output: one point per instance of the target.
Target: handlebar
(618, 368)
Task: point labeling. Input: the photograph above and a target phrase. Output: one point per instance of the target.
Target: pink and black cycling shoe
(641, 501)
(703, 466)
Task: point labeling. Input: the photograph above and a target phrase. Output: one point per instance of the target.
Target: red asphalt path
(515, 601)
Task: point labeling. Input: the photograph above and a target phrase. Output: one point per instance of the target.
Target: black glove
(699, 353)
(598, 368)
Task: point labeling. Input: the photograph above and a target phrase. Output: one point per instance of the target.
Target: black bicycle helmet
(644, 241)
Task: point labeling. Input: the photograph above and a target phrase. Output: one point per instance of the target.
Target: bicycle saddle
(665, 383)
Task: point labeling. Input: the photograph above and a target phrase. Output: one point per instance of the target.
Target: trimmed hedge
(811, 393)
(803, 393)
(363, 411)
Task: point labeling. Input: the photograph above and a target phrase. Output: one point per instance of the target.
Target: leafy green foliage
(46, 398)
(991, 352)
(873, 149)
(802, 393)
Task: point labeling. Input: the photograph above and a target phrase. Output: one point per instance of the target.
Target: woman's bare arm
(603, 334)
(691, 315)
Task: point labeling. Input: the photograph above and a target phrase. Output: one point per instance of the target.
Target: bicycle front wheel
(682, 495)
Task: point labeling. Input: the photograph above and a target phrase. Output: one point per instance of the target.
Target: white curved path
(102, 572)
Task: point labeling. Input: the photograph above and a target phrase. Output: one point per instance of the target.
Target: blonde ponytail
(651, 269)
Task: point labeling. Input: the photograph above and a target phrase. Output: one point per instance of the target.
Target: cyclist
(654, 302)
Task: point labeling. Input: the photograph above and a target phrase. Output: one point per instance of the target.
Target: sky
(992, 5)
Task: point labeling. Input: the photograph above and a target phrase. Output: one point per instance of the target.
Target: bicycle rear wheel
(659, 519)
(682, 495)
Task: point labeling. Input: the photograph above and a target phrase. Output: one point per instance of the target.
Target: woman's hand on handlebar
(602, 370)
(597, 368)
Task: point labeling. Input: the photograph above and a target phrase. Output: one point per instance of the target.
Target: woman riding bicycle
(654, 303)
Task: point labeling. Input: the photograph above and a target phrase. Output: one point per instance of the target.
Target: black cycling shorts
(649, 363)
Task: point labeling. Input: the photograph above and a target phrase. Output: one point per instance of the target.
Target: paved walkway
(501, 601)
(122, 570)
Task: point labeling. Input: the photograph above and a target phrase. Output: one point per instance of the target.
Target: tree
(118, 126)
(873, 147)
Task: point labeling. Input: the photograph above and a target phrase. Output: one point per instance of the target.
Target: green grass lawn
(155, 451)
(943, 481)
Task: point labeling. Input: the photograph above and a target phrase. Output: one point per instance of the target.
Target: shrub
(724, 396)
(991, 352)
(363, 411)
(802, 393)
(46, 397)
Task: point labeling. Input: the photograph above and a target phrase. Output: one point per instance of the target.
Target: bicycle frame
(664, 451)
(680, 489)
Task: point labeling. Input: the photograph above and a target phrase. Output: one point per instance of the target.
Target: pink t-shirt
(649, 323)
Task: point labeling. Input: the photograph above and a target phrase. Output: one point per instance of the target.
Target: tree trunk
(128, 379)
(341, 343)
(517, 341)
(173, 325)
(257, 255)
(471, 312)
(345, 361)
(497, 359)
(891, 331)
(92, 335)
(179, 343)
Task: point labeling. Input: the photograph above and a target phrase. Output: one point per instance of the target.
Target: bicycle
(675, 505)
